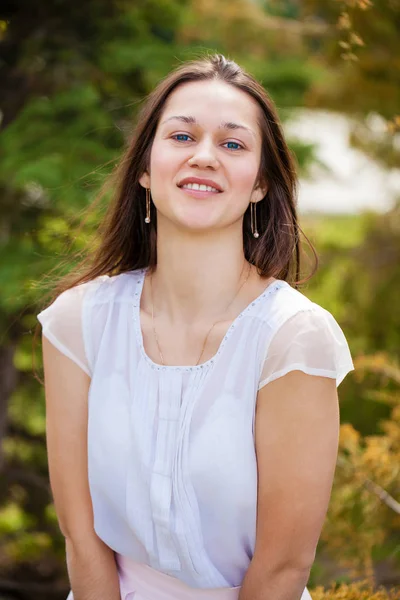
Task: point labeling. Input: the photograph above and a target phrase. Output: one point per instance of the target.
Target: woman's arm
(296, 437)
(92, 570)
(263, 583)
(91, 565)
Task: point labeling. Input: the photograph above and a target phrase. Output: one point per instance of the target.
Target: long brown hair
(126, 243)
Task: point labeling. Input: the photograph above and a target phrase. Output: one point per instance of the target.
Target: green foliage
(30, 418)
(359, 268)
(13, 519)
(74, 134)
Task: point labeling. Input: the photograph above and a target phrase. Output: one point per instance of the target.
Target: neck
(197, 276)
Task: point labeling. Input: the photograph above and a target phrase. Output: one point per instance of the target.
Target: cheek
(161, 162)
(243, 175)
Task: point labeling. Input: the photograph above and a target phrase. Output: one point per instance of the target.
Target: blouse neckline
(271, 287)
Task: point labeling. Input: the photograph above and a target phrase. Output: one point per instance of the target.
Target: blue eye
(180, 135)
(236, 144)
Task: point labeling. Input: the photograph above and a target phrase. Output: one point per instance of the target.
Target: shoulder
(303, 335)
(74, 322)
(103, 289)
(294, 310)
(291, 318)
(283, 302)
(115, 288)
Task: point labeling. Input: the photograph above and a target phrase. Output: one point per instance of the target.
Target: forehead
(211, 102)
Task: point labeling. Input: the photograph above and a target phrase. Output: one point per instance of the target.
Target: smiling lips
(199, 189)
(198, 184)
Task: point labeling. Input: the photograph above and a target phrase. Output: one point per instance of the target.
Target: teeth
(199, 186)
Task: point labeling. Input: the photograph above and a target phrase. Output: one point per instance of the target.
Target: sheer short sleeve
(310, 341)
(62, 324)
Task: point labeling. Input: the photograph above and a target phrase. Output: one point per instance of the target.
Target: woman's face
(208, 130)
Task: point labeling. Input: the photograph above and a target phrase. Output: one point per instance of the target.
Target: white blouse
(171, 454)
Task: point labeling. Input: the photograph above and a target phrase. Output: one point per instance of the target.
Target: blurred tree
(361, 76)
(363, 521)
(362, 590)
(358, 282)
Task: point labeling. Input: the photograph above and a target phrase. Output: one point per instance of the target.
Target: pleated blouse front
(171, 455)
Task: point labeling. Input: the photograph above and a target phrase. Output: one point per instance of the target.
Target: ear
(144, 180)
(259, 192)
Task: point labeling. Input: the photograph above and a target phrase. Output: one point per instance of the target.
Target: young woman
(191, 388)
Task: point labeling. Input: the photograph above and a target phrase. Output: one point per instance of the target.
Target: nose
(204, 156)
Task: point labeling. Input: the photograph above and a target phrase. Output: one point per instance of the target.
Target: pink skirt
(138, 581)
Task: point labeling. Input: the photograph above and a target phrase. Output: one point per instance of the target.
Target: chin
(196, 227)
(197, 223)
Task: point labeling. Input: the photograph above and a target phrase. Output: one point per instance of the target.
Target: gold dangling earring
(253, 219)
(147, 219)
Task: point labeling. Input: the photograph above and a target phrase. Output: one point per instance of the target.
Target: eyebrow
(223, 125)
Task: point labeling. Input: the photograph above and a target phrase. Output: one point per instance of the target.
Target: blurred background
(73, 75)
